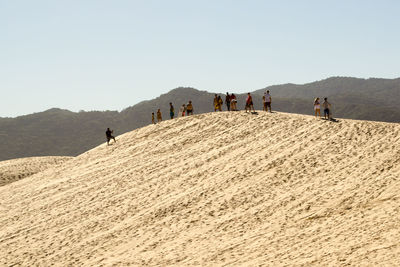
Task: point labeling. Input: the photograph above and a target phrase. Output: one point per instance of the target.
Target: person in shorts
(327, 106)
(249, 103)
(153, 120)
(189, 108)
(268, 100)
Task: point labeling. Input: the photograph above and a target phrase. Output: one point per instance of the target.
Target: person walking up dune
(317, 107)
(153, 120)
(159, 117)
(109, 136)
(326, 105)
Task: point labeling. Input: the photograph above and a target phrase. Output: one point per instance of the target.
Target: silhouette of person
(228, 101)
(159, 116)
(171, 111)
(109, 136)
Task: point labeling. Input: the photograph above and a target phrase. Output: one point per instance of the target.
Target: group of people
(231, 102)
(267, 99)
(159, 117)
(184, 110)
(325, 105)
(188, 109)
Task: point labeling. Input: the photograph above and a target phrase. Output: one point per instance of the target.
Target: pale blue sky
(108, 55)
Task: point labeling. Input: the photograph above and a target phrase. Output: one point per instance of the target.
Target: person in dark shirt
(171, 111)
(327, 106)
(228, 101)
(109, 136)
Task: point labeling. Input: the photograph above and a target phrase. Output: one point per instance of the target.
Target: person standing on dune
(171, 111)
(220, 103)
(326, 105)
(189, 108)
(159, 117)
(264, 105)
(233, 102)
(249, 103)
(317, 107)
(268, 100)
(109, 136)
(182, 111)
(215, 103)
(228, 101)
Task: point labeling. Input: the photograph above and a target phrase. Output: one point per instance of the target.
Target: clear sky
(108, 55)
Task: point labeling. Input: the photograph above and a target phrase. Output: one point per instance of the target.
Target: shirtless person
(159, 117)
(189, 108)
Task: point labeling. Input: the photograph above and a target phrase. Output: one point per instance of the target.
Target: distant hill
(58, 132)
(54, 132)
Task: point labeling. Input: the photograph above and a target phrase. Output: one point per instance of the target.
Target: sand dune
(215, 189)
(16, 169)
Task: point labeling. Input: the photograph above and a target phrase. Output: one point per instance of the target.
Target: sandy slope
(215, 189)
(16, 169)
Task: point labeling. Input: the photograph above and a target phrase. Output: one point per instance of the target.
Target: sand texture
(16, 169)
(215, 189)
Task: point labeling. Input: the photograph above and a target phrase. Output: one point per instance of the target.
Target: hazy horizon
(221, 92)
(97, 55)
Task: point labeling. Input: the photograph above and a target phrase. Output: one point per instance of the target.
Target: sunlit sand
(215, 189)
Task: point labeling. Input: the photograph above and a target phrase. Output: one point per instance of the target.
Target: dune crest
(215, 189)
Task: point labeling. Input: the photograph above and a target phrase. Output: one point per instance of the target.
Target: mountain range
(59, 132)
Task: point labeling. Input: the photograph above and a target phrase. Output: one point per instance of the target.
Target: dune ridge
(215, 189)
